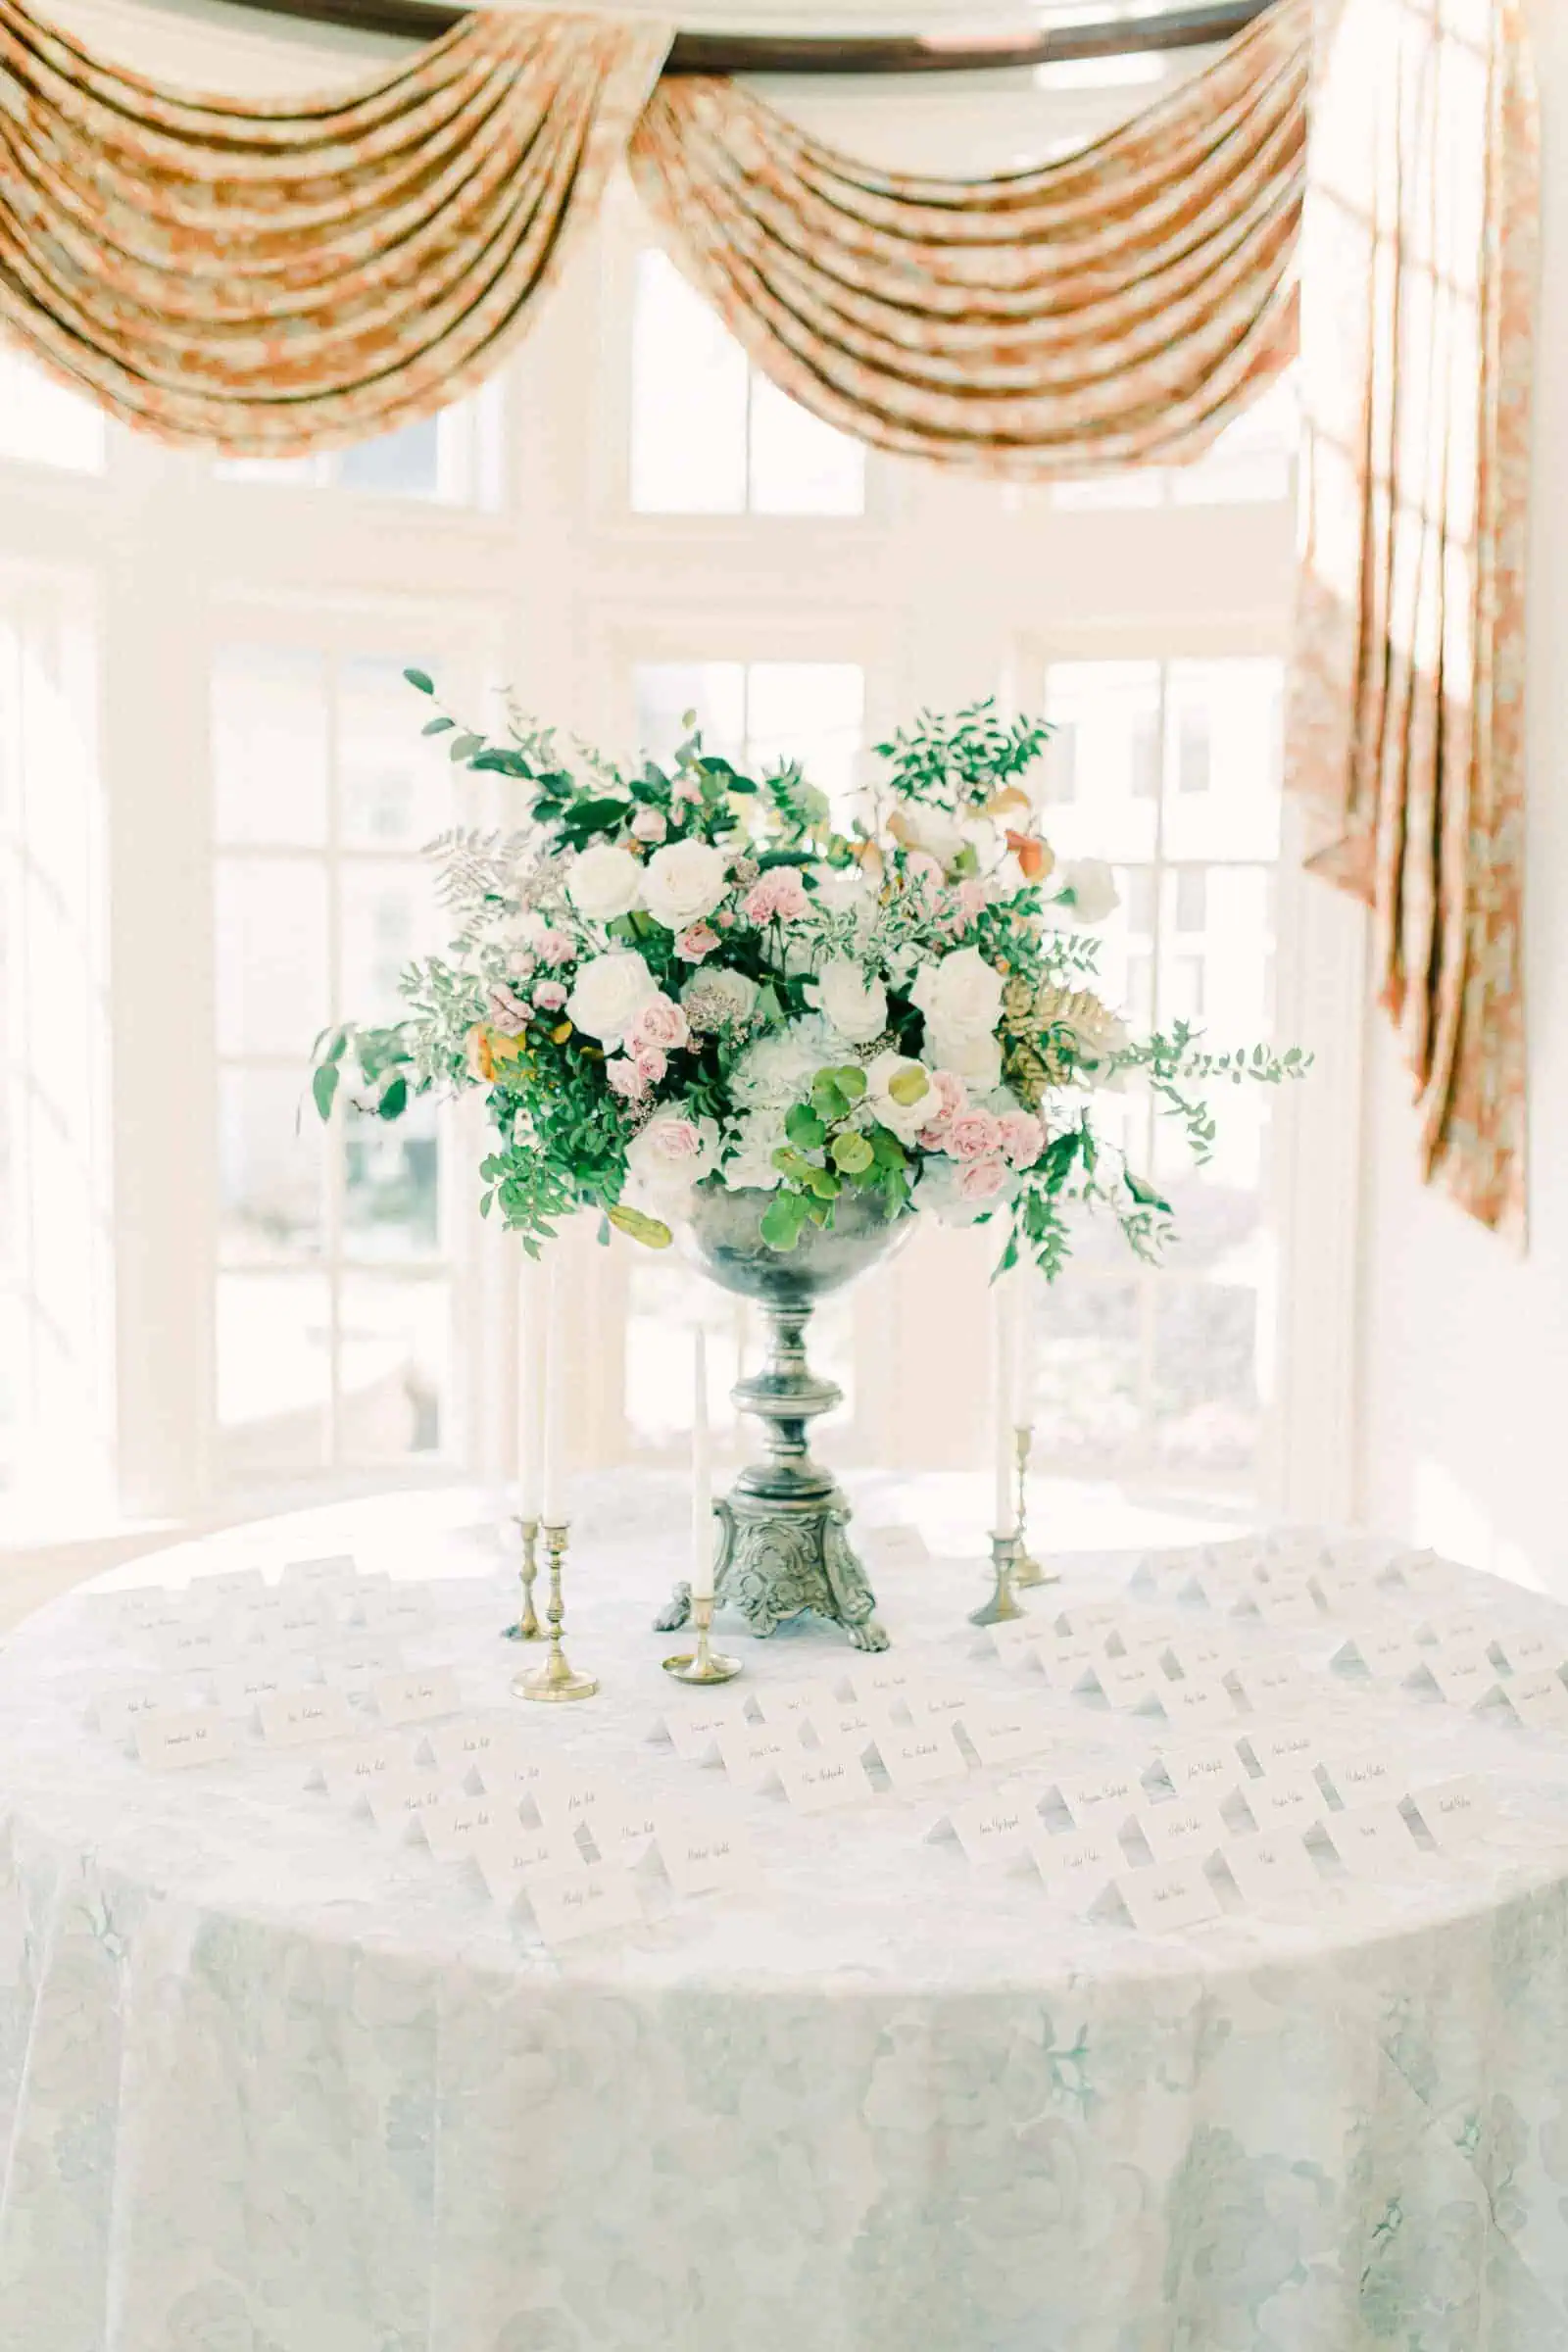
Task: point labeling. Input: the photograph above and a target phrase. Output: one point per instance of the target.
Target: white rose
(842, 890)
(937, 831)
(1094, 890)
(672, 1152)
(604, 882)
(856, 1007)
(753, 1142)
(609, 993)
(905, 1120)
(977, 1060)
(962, 995)
(716, 997)
(684, 881)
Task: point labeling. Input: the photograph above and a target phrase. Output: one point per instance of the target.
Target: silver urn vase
(785, 1545)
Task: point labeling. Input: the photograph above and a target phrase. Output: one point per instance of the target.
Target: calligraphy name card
(572, 1903)
(782, 1702)
(176, 1743)
(1271, 1863)
(417, 1698)
(694, 1732)
(1539, 1698)
(291, 1718)
(994, 1829)
(1456, 1813)
(1198, 1700)
(1001, 1733)
(921, 1758)
(1183, 1826)
(1210, 1767)
(117, 1713)
(700, 1858)
(1170, 1898)
(1373, 1841)
(823, 1781)
(1078, 1871)
(509, 1857)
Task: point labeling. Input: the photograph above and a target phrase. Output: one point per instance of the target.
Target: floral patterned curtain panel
(262, 280)
(1406, 733)
(1113, 309)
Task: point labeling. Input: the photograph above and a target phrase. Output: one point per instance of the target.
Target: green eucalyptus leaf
(394, 1098)
(323, 1087)
(437, 726)
(420, 682)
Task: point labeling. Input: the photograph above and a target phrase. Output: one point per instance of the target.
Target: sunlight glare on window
(43, 423)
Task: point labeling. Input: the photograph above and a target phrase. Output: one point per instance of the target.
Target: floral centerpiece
(692, 995)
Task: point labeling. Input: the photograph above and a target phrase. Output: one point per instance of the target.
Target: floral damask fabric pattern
(1406, 735)
(266, 280)
(1112, 309)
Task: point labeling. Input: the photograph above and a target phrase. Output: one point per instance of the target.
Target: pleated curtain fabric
(264, 281)
(1113, 309)
(1406, 726)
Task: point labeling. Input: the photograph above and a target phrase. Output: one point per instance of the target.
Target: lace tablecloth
(272, 2081)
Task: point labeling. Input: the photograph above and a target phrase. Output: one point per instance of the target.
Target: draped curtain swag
(262, 280)
(1406, 734)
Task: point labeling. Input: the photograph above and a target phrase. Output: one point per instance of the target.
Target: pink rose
(651, 1064)
(779, 897)
(952, 1098)
(626, 1079)
(974, 1135)
(982, 1180)
(661, 1023)
(1023, 1136)
(726, 917)
(685, 793)
(556, 947)
(506, 1011)
(549, 996)
(649, 825)
(700, 941)
(973, 897)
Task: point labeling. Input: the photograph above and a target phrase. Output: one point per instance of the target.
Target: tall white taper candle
(531, 1285)
(553, 1497)
(1003, 1370)
(701, 1476)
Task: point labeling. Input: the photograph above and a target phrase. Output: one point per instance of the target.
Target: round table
(272, 2081)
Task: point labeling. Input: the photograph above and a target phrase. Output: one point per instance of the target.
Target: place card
(1096, 1798)
(942, 1702)
(294, 1619)
(400, 1608)
(1198, 1700)
(920, 1759)
(1064, 1661)
(1539, 1698)
(821, 1781)
(334, 1574)
(472, 1740)
(1340, 1589)
(1210, 1767)
(194, 1736)
(1001, 1733)
(751, 1752)
(1183, 1826)
(1368, 1779)
(1127, 1682)
(1202, 1653)
(458, 1822)
(572, 1903)
(1373, 1840)
(1288, 1605)
(117, 1713)
(993, 1829)
(780, 1702)
(1457, 1812)
(514, 1775)
(705, 1858)
(1387, 1651)
(292, 1718)
(354, 1665)
(567, 1799)
(231, 1584)
(352, 1773)
(1271, 1863)
(1017, 1636)
(398, 1798)
(238, 1688)
(1090, 1617)
(1133, 1639)
(1169, 1896)
(1464, 1677)
(1454, 1629)
(1270, 1685)
(510, 1856)
(1286, 1800)
(883, 1679)
(695, 1732)
(893, 1546)
(623, 1830)
(419, 1698)
(1526, 1650)
(1078, 1870)
(848, 1726)
(1287, 1748)
(197, 1648)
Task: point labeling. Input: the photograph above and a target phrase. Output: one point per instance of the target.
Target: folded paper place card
(1286, 1800)
(1094, 1797)
(1271, 1684)
(705, 1858)
(1387, 1651)
(779, 1702)
(1128, 1682)
(920, 1759)
(472, 1740)
(514, 1775)
(353, 1665)
(822, 1780)
(1465, 1676)
(1288, 1605)
(398, 1800)
(1271, 1863)
(1287, 1748)
(993, 1829)
(567, 1799)
(1199, 1655)
(1531, 1650)
(458, 1824)
(694, 1732)
(334, 1574)
(1209, 1768)
(231, 1584)
(1064, 1661)
(1183, 1826)
(624, 1831)
(1017, 1636)
(1373, 1841)
(417, 1698)
(1457, 1812)
(944, 1702)
(883, 1679)
(848, 1726)
(196, 1736)
(1454, 1629)
(237, 1689)
(1078, 1870)
(1091, 1617)
(570, 1903)
(1369, 1779)
(293, 1718)
(510, 1856)
(1540, 1698)
(1198, 1700)
(195, 1648)
(893, 1546)
(353, 1772)
(1001, 1733)
(751, 1752)
(117, 1713)
(1169, 1896)
(401, 1608)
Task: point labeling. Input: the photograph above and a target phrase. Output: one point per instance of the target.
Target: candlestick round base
(553, 1682)
(693, 1666)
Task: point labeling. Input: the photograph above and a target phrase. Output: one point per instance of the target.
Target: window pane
(808, 710)
(271, 956)
(1253, 458)
(800, 466)
(389, 914)
(1208, 1399)
(1225, 723)
(406, 463)
(1087, 1353)
(665, 691)
(1115, 711)
(394, 1368)
(395, 786)
(271, 1153)
(42, 423)
(688, 400)
(270, 745)
(1145, 488)
(275, 1372)
(391, 1194)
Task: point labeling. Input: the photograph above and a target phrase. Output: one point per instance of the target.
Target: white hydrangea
(779, 1068)
(750, 1146)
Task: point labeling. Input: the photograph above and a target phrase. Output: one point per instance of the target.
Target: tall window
(334, 1305)
(453, 459)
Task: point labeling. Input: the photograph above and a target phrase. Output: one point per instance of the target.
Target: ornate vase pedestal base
(780, 1557)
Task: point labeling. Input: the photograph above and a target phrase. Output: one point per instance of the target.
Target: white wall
(1464, 1368)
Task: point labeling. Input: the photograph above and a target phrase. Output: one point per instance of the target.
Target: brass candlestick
(556, 1678)
(1002, 1606)
(527, 1627)
(703, 1665)
(1029, 1570)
